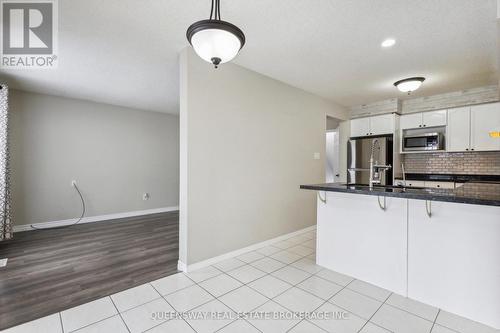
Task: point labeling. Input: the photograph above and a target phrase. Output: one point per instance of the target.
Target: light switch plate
(3, 262)
(317, 156)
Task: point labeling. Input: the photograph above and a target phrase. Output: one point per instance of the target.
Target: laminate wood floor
(53, 270)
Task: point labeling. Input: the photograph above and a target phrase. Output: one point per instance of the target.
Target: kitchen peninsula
(437, 246)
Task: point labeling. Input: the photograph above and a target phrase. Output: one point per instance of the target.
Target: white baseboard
(205, 263)
(181, 266)
(99, 218)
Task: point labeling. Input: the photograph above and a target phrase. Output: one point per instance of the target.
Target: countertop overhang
(470, 193)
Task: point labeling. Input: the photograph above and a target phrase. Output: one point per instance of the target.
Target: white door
(458, 130)
(434, 118)
(332, 156)
(383, 124)
(360, 127)
(485, 119)
(409, 121)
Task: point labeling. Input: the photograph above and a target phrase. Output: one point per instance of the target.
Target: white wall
(116, 154)
(247, 143)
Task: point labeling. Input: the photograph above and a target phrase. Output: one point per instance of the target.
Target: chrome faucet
(375, 169)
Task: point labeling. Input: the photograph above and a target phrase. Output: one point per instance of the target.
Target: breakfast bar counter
(437, 246)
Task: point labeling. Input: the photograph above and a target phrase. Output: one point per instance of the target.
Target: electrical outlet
(3, 262)
(317, 156)
(73, 183)
(146, 196)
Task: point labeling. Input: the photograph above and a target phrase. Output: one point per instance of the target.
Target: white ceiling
(125, 52)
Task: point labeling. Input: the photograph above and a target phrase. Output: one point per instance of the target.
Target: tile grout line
(119, 313)
(434, 323)
(326, 302)
(217, 298)
(369, 319)
(247, 284)
(60, 320)
(163, 297)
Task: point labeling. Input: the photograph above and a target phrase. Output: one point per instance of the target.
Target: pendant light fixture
(214, 40)
(409, 85)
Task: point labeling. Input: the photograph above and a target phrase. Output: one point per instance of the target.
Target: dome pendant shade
(409, 85)
(215, 41)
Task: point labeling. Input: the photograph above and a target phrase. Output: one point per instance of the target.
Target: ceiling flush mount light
(409, 85)
(388, 42)
(214, 40)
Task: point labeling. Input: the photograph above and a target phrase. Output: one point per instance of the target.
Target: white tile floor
(276, 280)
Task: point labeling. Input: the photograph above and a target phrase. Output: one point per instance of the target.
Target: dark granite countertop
(470, 193)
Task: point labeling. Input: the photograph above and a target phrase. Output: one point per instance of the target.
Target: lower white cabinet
(454, 258)
(356, 237)
(445, 185)
(450, 260)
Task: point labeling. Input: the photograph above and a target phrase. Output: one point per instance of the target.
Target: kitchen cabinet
(423, 119)
(377, 125)
(360, 127)
(383, 124)
(458, 129)
(409, 121)
(357, 238)
(469, 128)
(415, 183)
(433, 184)
(453, 258)
(434, 118)
(485, 119)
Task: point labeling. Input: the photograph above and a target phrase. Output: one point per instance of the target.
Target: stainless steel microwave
(423, 142)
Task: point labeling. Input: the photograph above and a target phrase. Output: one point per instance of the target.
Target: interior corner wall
(248, 143)
(114, 153)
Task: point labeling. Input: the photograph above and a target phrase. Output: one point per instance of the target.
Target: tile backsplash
(479, 163)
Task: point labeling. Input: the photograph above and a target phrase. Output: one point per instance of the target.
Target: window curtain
(5, 204)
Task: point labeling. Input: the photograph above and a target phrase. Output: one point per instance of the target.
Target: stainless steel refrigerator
(358, 159)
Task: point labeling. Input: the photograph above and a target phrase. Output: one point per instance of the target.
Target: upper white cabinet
(469, 128)
(413, 120)
(434, 118)
(484, 120)
(458, 130)
(423, 119)
(360, 127)
(377, 125)
(383, 124)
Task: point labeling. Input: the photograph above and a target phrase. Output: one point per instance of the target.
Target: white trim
(205, 263)
(98, 218)
(181, 266)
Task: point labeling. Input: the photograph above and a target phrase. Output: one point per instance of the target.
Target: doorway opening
(332, 153)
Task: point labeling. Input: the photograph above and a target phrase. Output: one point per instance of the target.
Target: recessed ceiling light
(388, 42)
(409, 85)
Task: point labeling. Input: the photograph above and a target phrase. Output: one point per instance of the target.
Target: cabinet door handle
(384, 207)
(321, 199)
(428, 208)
